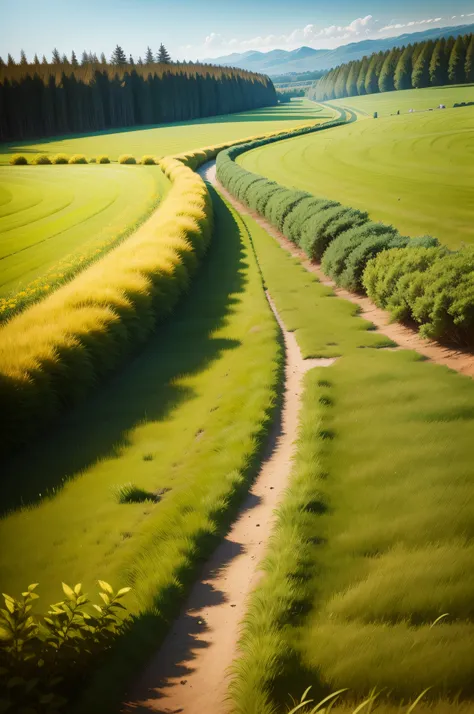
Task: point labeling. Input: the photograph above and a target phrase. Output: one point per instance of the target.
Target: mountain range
(306, 59)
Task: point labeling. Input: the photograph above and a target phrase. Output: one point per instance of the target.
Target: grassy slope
(412, 171)
(374, 539)
(51, 215)
(187, 415)
(419, 99)
(167, 139)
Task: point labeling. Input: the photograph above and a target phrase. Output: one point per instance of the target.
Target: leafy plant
(127, 159)
(44, 659)
(41, 159)
(78, 159)
(18, 160)
(147, 160)
(103, 159)
(60, 159)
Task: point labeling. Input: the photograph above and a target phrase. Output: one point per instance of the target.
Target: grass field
(54, 217)
(413, 171)
(374, 538)
(419, 99)
(167, 139)
(185, 420)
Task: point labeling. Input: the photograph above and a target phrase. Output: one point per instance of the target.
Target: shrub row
(46, 160)
(415, 278)
(55, 352)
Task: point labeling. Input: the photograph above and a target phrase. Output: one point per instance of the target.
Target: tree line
(424, 64)
(57, 98)
(118, 57)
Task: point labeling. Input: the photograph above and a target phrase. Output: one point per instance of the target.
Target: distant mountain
(306, 58)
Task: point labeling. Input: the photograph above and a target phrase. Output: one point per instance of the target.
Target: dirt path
(189, 673)
(456, 359)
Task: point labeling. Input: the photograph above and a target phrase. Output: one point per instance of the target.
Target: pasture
(413, 171)
(168, 139)
(374, 538)
(53, 219)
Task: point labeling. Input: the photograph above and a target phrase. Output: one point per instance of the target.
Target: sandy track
(457, 359)
(189, 673)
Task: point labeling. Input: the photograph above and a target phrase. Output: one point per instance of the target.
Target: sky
(199, 29)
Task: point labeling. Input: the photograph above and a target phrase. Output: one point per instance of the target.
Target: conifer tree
(2, 63)
(56, 57)
(23, 60)
(149, 58)
(469, 64)
(36, 59)
(351, 84)
(74, 62)
(140, 62)
(131, 61)
(421, 69)
(404, 69)
(84, 59)
(10, 61)
(103, 58)
(387, 71)
(371, 80)
(364, 65)
(44, 60)
(439, 64)
(163, 56)
(457, 61)
(64, 59)
(118, 57)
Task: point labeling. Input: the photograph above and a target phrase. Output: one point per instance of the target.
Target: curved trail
(457, 359)
(189, 673)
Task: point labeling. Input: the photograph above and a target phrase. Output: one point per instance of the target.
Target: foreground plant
(44, 659)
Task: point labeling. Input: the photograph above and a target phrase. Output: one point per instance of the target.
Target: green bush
(103, 159)
(146, 160)
(127, 159)
(41, 160)
(18, 160)
(388, 277)
(347, 255)
(60, 159)
(43, 660)
(92, 160)
(78, 159)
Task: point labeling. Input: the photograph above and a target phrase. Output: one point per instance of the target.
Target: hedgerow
(60, 159)
(18, 160)
(41, 160)
(56, 351)
(440, 298)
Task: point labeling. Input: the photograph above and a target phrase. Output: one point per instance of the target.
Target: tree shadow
(145, 389)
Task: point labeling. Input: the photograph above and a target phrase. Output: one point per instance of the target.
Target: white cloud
(412, 23)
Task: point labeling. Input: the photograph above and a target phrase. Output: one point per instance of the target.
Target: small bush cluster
(103, 159)
(18, 160)
(43, 660)
(78, 159)
(41, 160)
(147, 160)
(426, 283)
(127, 159)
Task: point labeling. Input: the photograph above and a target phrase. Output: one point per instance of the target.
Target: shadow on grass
(298, 112)
(145, 389)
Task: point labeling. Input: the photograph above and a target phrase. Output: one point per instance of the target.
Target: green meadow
(414, 171)
(167, 139)
(373, 541)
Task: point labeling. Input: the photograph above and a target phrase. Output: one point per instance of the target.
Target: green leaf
(69, 592)
(105, 586)
(105, 598)
(32, 587)
(77, 588)
(15, 682)
(123, 591)
(10, 605)
(46, 698)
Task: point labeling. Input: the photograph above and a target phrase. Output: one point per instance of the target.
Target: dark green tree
(341, 81)
(10, 61)
(140, 62)
(103, 58)
(163, 56)
(149, 58)
(439, 64)
(364, 65)
(74, 62)
(36, 60)
(351, 84)
(56, 57)
(404, 69)
(44, 60)
(23, 60)
(421, 69)
(84, 59)
(457, 60)
(64, 60)
(387, 71)
(131, 61)
(371, 79)
(469, 64)
(118, 57)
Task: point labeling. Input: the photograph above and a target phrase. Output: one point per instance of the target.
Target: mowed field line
(51, 214)
(170, 139)
(413, 171)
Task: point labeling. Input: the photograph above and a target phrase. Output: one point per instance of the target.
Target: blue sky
(194, 29)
